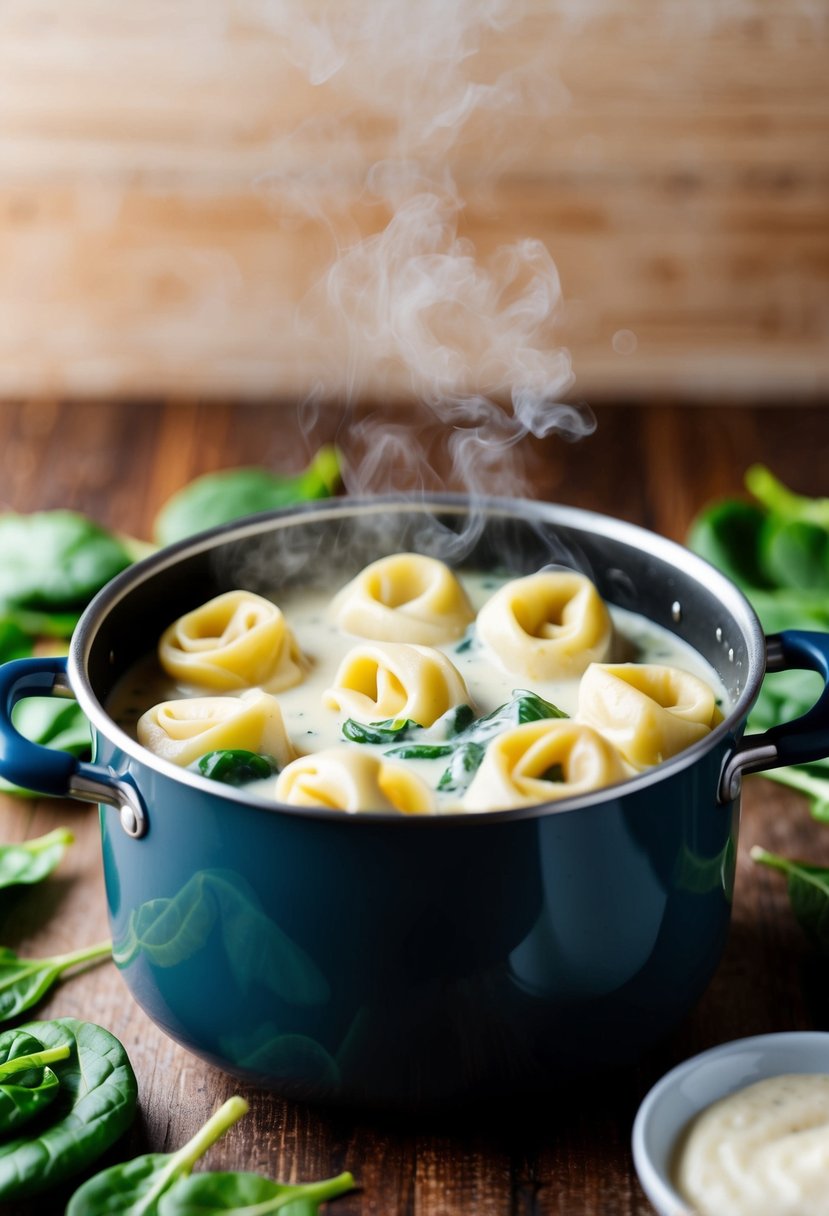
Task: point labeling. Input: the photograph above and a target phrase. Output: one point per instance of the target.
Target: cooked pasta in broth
(418, 690)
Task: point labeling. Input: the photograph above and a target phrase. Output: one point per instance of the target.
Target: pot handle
(36, 767)
(799, 742)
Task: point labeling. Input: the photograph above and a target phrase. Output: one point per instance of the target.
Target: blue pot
(404, 961)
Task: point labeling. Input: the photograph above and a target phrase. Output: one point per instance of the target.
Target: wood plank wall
(672, 156)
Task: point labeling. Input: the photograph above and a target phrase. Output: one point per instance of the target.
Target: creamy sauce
(762, 1151)
(311, 727)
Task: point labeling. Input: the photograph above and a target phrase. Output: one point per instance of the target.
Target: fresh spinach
(218, 498)
(54, 723)
(55, 561)
(135, 1187)
(94, 1106)
(249, 1195)
(808, 894)
(32, 860)
(15, 643)
(27, 1084)
(773, 550)
(24, 981)
(777, 550)
(160, 1184)
(467, 747)
(234, 766)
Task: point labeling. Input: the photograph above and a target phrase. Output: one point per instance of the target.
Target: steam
(415, 111)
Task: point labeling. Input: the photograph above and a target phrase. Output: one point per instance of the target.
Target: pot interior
(326, 544)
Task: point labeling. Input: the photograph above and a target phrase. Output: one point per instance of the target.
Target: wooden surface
(172, 184)
(569, 1156)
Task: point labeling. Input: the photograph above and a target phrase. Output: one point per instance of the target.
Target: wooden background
(671, 155)
(568, 1155)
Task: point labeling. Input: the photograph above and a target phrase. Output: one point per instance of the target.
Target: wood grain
(671, 157)
(568, 1156)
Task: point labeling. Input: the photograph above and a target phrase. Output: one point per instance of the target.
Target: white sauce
(762, 1151)
(311, 727)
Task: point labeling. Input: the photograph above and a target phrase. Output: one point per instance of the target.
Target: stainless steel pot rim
(735, 605)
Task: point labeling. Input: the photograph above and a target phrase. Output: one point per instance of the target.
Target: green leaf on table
(246, 1194)
(55, 560)
(25, 981)
(809, 779)
(32, 860)
(727, 534)
(219, 498)
(52, 722)
(135, 1187)
(15, 643)
(779, 500)
(808, 894)
(94, 1106)
(795, 554)
(27, 1084)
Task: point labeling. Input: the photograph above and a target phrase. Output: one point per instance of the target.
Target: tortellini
(404, 598)
(347, 779)
(381, 681)
(547, 626)
(237, 640)
(543, 762)
(648, 711)
(184, 730)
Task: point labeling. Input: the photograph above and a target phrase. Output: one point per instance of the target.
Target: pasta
(543, 762)
(547, 626)
(185, 729)
(648, 711)
(382, 681)
(530, 706)
(237, 640)
(404, 598)
(346, 779)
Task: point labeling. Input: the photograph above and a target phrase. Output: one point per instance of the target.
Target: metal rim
(735, 606)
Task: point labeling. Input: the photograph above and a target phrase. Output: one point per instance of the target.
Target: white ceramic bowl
(690, 1087)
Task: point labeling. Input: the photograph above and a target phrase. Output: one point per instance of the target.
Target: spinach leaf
(218, 498)
(235, 766)
(808, 894)
(249, 1195)
(94, 1106)
(777, 549)
(781, 501)
(796, 554)
(468, 746)
(31, 860)
(24, 981)
(14, 641)
(27, 1085)
(811, 780)
(728, 535)
(465, 762)
(55, 723)
(135, 1187)
(55, 560)
(391, 730)
(394, 730)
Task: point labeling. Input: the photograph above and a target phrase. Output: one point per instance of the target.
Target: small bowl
(690, 1087)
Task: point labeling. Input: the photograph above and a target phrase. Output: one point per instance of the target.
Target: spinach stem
(310, 1192)
(229, 1112)
(37, 1059)
(90, 954)
(40, 843)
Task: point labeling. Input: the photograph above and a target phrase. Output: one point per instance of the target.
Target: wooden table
(570, 1155)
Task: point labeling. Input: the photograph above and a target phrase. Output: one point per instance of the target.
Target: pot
(399, 961)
